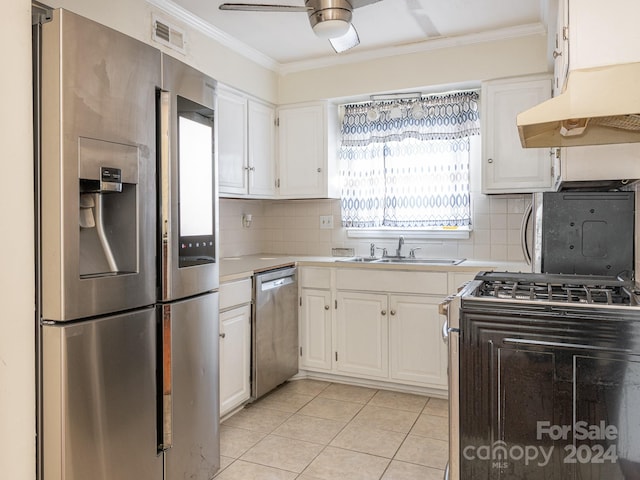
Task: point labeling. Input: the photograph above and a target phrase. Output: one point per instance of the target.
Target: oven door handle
(446, 330)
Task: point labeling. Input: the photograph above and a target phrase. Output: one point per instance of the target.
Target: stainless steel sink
(359, 259)
(407, 260)
(422, 261)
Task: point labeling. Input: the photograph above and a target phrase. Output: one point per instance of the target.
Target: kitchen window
(404, 164)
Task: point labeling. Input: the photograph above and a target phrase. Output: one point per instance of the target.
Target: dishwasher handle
(277, 283)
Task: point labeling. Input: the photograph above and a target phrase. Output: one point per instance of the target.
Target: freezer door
(99, 399)
(194, 450)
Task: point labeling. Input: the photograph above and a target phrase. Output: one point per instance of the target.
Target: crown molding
(241, 48)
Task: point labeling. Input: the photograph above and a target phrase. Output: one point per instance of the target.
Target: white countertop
(235, 268)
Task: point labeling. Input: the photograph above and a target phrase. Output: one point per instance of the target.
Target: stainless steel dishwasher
(274, 331)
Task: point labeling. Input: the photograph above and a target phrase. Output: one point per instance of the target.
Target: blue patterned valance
(437, 117)
(406, 164)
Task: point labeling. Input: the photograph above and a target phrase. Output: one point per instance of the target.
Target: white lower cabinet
(315, 329)
(235, 354)
(415, 357)
(362, 334)
(389, 336)
(235, 344)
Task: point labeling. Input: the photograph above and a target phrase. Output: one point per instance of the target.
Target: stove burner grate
(552, 292)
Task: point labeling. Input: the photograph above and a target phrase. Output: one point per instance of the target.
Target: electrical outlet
(326, 221)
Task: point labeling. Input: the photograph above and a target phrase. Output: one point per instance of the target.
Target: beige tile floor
(313, 430)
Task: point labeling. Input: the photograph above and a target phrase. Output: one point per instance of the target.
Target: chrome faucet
(400, 243)
(372, 250)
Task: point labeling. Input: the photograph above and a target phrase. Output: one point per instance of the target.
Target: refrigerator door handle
(167, 383)
(165, 197)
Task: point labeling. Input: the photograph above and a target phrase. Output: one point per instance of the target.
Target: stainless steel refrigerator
(127, 258)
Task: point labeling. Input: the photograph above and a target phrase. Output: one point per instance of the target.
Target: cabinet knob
(327, 307)
(222, 335)
(319, 170)
(489, 160)
(392, 312)
(383, 312)
(557, 54)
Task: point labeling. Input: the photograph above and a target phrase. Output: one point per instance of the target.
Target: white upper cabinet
(601, 32)
(616, 41)
(262, 140)
(246, 146)
(599, 164)
(593, 33)
(307, 151)
(507, 167)
(232, 142)
(561, 50)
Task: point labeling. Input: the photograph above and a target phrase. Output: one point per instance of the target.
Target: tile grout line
(362, 406)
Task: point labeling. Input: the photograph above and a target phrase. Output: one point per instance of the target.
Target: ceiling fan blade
(422, 19)
(262, 7)
(346, 41)
(362, 3)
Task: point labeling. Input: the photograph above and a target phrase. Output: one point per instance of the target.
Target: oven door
(545, 392)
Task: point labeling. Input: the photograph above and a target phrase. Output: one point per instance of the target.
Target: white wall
(133, 17)
(419, 71)
(17, 324)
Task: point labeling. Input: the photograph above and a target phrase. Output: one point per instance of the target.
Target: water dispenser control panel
(110, 179)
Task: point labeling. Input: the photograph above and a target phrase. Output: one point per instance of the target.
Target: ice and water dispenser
(107, 208)
(98, 229)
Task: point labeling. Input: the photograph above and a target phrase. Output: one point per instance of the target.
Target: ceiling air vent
(168, 35)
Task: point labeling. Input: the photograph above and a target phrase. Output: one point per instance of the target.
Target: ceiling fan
(330, 19)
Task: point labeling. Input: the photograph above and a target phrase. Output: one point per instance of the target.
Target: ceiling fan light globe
(331, 28)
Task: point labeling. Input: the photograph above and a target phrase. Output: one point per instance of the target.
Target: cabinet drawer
(431, 283)
(235, 293)
(315, 277)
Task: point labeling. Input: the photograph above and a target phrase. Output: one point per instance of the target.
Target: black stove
(535, 352)
(543, 287)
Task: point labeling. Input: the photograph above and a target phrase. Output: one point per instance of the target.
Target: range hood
(599, 106)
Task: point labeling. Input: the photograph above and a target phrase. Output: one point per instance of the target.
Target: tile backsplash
(293, 227)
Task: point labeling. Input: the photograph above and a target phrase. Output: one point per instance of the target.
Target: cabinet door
(561, 49)
(232, 143)
(362, 334)
(315, 329)
(508, 167)
(600, 162)
(616, 22)
(301, 139)
(262, 177)
(235, 354)
(417, 352)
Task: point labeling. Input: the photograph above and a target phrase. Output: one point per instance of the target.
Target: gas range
(529, 350)
(543, 287)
